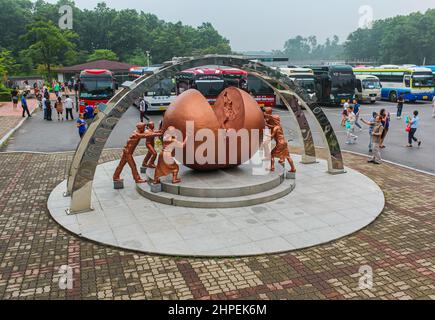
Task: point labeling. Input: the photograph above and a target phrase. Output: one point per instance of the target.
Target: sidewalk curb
(8, 135)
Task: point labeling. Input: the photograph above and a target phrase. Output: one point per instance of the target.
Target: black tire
(372, 102)
(393, 96)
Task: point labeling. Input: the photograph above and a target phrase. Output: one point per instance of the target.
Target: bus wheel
(393, 97)
(372, 102)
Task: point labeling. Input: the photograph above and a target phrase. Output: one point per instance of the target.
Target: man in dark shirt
(400, 102)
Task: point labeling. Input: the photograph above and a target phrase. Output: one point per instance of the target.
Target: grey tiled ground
(319, 210)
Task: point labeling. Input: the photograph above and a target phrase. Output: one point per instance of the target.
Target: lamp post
(148, 57)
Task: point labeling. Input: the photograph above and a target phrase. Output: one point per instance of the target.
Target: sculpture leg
(292, 164)
(146, 160)
(272, 164)
(175, 178)
(133, 167)
(118, 171)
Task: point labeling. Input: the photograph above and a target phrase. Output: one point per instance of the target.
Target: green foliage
(47, 44)
(300, 49)
(103, 54)
(398, 40)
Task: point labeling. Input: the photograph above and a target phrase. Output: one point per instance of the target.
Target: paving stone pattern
(399, 246)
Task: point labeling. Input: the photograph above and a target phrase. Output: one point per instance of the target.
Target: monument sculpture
(166, 164)
(281, 150)
(150, 158)
(234, 111)
(127, 155)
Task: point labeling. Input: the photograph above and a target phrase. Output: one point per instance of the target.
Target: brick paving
(399, 247)
(10, 117)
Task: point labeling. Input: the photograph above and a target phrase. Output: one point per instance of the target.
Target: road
(41, 136)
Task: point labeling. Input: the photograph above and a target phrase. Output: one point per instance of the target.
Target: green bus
(335, 84)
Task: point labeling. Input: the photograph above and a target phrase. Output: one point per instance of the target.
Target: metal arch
(89, 151)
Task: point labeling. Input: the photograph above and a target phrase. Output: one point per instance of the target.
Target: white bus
(368, 88)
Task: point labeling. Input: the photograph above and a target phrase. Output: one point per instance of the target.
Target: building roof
(114, 66)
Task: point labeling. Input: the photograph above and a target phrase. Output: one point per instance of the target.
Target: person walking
(371, 123)
(56, 89)
(377, 133)
(69, 106)
(89, 114)
(143, 108)
(356, 111)
(25, 106)
(81, 125)
(59, 108)
(14, 96)
(400, 103)
(350, 126)
(48, 109)
(413, 126)
(385, 119)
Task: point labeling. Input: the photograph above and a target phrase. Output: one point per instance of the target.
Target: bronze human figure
(128, 151)
(166, 164)
(281, 149)
(150, 158)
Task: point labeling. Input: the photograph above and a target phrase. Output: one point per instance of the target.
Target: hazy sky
(267, 24)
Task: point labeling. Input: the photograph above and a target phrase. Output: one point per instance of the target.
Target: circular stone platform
(319, 210)
(243, 186)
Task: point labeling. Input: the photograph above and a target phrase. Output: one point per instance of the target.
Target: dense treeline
(300, 49)
(31, 39)
(398, 40)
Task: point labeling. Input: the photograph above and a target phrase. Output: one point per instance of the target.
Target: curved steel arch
(88, 153)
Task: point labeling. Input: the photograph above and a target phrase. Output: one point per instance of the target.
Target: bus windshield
(96, 88)
(342, 82)
(165, 87)
(371, 84)
(258, 87)
(308, 84)
(210, 88)
(423, 80)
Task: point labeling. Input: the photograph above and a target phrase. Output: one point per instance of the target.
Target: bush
(5, 94)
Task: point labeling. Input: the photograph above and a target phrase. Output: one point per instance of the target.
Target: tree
(47, 44)
(103, 54)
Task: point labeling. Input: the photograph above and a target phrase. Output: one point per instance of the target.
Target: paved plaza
(398, 246)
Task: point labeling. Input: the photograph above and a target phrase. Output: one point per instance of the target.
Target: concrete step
(277, 192)
(236, 182)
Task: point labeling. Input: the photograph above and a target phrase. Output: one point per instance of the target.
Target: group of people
(379, 126)
(60, 106)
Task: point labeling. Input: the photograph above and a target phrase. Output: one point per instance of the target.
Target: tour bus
(161, 95)
(303, 77)
(210, 80)
(415, 83)
(262, 93)
(335, 84)
(97, 87)
(368, 88)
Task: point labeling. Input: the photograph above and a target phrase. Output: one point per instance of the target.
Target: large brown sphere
(234, 110)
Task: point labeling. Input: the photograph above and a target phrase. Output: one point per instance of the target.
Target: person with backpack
(412, 129)
(377, 136)
(59, 108)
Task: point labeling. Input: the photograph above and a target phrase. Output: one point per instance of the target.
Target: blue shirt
(414, 122)
(89, 112)
(356, 108)
(23, 101)
(372, 126)
(82, 128)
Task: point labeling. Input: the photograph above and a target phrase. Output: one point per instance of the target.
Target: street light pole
(148, 57)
